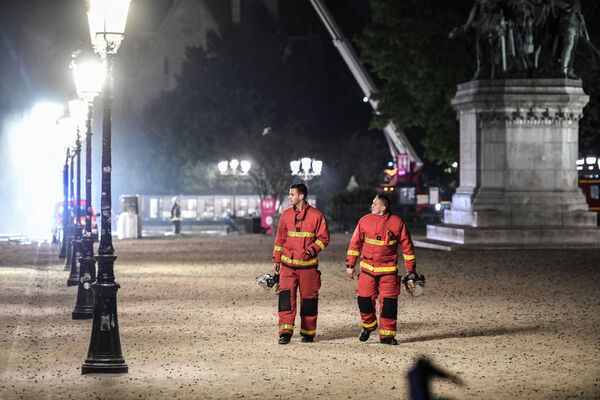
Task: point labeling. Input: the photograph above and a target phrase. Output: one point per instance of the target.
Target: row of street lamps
(97, 293)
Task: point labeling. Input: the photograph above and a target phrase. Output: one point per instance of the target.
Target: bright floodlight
(454, 164)
(317, 167)
(222, 166)
(234, 164)
(579, 162)
(245, 166)
(305, 163)
(67, 131)
(78, 112)
(107, 20)
(590, 160)
(47, 112)
(295, 166)
(89, 77)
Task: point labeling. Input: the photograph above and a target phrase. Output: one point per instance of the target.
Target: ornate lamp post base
(68, 248)
(104, 366)
(104, 354)
(75, 263)
(84, 307)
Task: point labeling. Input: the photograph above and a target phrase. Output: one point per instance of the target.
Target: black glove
(415, 277)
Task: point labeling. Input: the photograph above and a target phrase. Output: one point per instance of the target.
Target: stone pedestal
(518, 178)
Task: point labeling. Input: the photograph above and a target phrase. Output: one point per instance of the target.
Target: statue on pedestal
(526, 35)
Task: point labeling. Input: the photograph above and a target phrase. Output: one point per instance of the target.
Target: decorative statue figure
(526, 34)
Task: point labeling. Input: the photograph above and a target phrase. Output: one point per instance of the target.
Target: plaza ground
(195, 325)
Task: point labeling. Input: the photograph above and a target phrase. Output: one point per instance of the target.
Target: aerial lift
(407, 165)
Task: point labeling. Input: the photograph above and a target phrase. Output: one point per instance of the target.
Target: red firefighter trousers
(387, 288)
(308, 280)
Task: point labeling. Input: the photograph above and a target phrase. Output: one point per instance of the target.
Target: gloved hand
(350, 271)
(276, 267)
(413, 283)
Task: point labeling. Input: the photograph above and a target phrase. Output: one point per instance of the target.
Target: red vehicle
(57, 228)
(589, 182)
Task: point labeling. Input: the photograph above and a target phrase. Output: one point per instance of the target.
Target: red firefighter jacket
(301, 235)
(376, 239)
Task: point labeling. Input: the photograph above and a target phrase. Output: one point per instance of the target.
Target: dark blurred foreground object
(420, 376)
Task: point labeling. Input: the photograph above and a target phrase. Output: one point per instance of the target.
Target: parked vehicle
(57, 228)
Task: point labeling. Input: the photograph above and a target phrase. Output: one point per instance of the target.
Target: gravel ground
(194, 324)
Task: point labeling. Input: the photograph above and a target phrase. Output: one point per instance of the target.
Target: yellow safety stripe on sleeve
(320, 244)
(383, 332)
(408, 257)
(301, 263)
(277, 248)
(371, 268)
(379, 242)
(286, 326)
(353, 253)
(301, 234)
(369, 325)
(305, 332)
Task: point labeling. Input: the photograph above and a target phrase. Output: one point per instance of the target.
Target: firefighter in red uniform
(302, 233)
(376, 238)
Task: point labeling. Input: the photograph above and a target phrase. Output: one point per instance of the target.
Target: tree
(407, 46)
(247, 79)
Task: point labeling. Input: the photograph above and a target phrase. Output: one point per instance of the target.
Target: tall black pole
(70, 228)
(76, 228)
(104, 354)
(84, 306)
(65, 211)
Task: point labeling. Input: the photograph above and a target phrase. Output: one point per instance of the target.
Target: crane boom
(395, 138)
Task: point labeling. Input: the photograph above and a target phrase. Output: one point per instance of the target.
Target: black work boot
(307, 339)
(389, 340)
(284, 338)
(364, 335)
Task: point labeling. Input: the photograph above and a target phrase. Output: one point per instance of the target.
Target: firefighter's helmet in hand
(413, 283)
(268, 281)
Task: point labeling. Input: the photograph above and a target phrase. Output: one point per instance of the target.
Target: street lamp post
(65, 211)
(70, 227)
(76, 228)
(306, 168)
(107, 19)
(234, 168)
(88, 78)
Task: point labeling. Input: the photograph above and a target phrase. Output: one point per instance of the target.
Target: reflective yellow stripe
(353, 253)
(370, 325)
(379, 242)
(408, 257)
(375, 241)
(277, 248)
(378, 269)
(320, 244)
(286, 326)
(299, 262)
(383, 332)
(301, 234)
(305, 332)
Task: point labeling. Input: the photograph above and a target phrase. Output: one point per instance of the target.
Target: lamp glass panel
(317, 166)
(245, 166)
(305, 163)
(295, 166)
(222, 166)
